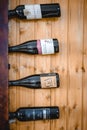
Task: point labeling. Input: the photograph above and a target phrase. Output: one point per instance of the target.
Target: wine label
(44, 114)
(32, 11)
(45, 46)
(37, 114)
(48, 82)
(12, 121)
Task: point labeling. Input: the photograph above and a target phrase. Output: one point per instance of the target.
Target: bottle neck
(11, 13)
(28, 82)
(27, 47)
(12, 115)
(10, 83)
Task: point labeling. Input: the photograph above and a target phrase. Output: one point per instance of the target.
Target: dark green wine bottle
(37, 11)
(47, 80)
(35, 113)
(45, 46)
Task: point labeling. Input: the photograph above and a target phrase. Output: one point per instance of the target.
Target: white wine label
(33, 114)
(47, 46)
(44, 114)
(33, 11)
(48, 82)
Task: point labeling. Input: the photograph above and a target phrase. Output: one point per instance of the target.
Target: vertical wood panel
(75, 46)
(14, 62)
(59, 65)
(26, 66)
(85, 69)
(42, 64)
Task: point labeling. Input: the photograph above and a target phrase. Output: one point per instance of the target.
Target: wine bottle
(47, 80)
(45, 46)
(34, 113)
(36, 11)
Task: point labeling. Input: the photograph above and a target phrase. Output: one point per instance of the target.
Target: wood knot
(52, 70)
(63, 107)
(63, 69)
(48, 23)
(62, 128)
(29, 105)
(76, 128)
(15, 68)
(27, 127)
(25, 66)
(22, 30)
(42, 71)
(48, 97)
(76, 69)
(74, 106)
(83, 69)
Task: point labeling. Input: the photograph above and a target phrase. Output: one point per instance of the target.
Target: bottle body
(35, 113)
(47, 80)
(45, 46)
(37, 11)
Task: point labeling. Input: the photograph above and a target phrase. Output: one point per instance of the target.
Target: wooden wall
(70, 63)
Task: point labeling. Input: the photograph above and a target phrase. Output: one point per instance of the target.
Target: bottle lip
(59, 10)
(12, 115)
(56, 45)
(55, 112)
(58, 79)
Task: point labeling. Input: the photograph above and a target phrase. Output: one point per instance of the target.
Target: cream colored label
(32, 11)
(47, 46)
(48, 82)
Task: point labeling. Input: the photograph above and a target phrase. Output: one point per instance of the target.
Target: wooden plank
(75, 48)
(42, 64)
(26, 67)
(59, 65)
(3, 65)
(23, 97)
(85, 68)
(14, 63)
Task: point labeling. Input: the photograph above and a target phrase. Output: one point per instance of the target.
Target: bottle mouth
(11, 14)
(59, 10)
(54, 112)
(56, 45)
(12, 115)
(58, 80)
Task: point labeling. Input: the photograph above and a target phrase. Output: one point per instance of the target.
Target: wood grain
(26, 30)
(14, 63)
(42, 64)
(75, 47)
(70, 63)
(59, 65)
(85, 68)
